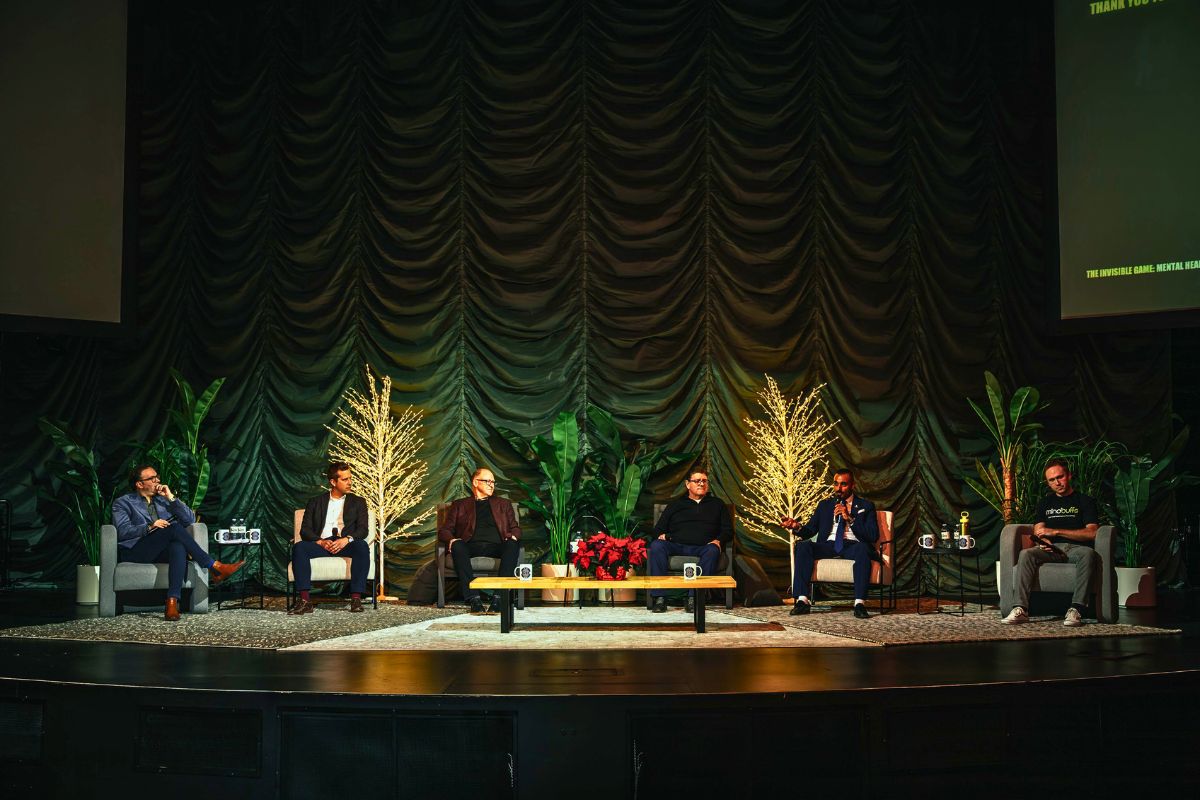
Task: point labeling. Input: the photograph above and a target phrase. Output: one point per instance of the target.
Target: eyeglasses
(699, 480)
(487, 481)
(842, 483)
(151, 479)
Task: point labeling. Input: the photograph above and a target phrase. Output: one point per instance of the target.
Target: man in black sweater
(696, 524)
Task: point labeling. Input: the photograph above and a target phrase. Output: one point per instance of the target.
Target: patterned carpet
(269, 629)
(401, 627)
(907, 629)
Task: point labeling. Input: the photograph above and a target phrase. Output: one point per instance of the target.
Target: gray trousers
(1087, 567)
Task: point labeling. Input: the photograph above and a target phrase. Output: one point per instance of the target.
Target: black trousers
(171, 546)
(462, 553)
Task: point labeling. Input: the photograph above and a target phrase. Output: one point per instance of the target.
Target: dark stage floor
(921, 715)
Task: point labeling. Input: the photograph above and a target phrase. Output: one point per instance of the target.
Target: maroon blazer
(459, 522)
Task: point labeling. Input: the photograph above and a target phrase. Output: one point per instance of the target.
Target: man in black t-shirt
(697, 525)
(1067, 523)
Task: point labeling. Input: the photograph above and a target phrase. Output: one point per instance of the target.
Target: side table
(252, 554)
(936, 554)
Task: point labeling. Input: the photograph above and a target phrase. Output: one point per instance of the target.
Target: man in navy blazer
(843, 526)
(481, 525)
(335, 523)
(151, 528)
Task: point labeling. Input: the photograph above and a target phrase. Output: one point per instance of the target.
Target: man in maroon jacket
(481, 525)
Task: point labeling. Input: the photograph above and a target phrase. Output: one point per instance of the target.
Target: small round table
(937, 554)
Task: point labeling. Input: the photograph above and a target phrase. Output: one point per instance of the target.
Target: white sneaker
(1072, 619)
(1016, 616)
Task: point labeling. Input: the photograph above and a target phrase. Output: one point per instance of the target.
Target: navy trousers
(706, 555)
(462, 553)
(807, 552)
(358, 551)
(171, 546)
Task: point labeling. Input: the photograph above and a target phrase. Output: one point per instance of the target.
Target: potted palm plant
(1133, 486)
(87, 507)
(562, 473)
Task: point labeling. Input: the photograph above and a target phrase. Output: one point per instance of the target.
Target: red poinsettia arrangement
(607, 557)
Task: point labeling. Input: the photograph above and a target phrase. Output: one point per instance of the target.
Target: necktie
(839, 532)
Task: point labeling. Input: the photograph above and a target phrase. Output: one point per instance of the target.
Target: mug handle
(699, 570)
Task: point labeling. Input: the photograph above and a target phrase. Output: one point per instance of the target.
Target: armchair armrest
(1012, 542)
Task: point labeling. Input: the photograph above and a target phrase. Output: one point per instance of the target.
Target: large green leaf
(988, 424)
(566, 442)
(995, 395)
(608, 435)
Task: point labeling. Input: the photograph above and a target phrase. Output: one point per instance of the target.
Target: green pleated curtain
(516, 208)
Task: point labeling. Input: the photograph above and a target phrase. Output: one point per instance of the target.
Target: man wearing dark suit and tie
(335, 524)
(481, 525)
(843, 526)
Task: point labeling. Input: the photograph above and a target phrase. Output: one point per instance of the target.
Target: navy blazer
(354, 518)
(864, 526)
(131, 516)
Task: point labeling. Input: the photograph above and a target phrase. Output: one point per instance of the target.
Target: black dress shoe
(659, 605)
(476, 605)
(690, 605)
(800, 607)
(494, 605)
(860, 611)
(356, 605)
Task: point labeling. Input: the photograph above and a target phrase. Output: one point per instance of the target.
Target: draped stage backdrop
(517, 208)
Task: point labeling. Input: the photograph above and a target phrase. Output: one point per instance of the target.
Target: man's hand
(717, 542)
(662, 537)
(450, 547)
(165, 491)
(333, 546)
(159, 523)
(789, 524)
(840, 510)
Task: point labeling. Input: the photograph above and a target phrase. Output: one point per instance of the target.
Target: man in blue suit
(843, 526)
(151, 528)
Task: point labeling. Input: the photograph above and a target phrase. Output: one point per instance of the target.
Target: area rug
(908, 629)
(400, 627)
(268, 629)
(591, 628)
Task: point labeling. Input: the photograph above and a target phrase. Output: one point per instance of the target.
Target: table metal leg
(698, 614)
(506, 610)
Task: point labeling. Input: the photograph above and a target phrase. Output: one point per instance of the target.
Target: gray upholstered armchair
(116, 577)
(1059, 577)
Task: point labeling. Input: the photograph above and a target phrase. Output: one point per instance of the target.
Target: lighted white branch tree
(789, 464)
(382, 450)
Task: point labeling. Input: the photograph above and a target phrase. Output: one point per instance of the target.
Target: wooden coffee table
(506, 586)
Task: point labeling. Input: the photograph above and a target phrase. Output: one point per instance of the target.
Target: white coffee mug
(524, 572)
(691, 571)
(966, 543)
(926, 540)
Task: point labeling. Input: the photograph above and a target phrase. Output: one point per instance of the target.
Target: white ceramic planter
(1135, 587)
(87, 585)
(557, 571)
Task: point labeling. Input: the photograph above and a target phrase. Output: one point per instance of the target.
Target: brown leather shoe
(356, 605)
(222, 571)
(302, 607)
(172, 612)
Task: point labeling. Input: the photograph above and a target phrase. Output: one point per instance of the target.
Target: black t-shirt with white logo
(1070, 513)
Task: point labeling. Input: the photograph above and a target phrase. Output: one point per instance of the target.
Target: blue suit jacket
(132, 519)
(864, 526)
